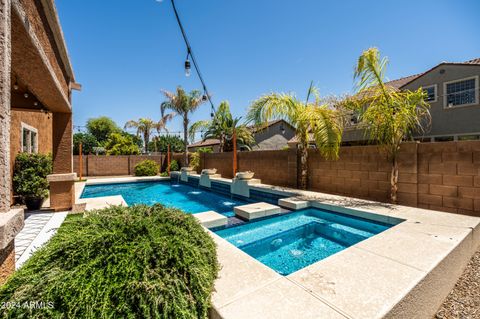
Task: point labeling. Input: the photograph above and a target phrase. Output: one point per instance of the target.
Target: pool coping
(403, 272)
(106, 201)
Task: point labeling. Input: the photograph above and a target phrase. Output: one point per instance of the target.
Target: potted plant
(30, 178)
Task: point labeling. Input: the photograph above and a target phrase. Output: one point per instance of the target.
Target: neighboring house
(36, 82)
(453, 94)
(212, 143)
(272, 136)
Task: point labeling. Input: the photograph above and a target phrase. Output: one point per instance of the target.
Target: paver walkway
(39, 228)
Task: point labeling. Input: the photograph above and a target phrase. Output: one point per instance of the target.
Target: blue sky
(123, 52)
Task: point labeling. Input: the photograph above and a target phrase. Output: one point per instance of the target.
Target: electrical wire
(190, 52)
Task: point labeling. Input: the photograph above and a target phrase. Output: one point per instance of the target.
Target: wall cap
(68, 177)
(11, 223)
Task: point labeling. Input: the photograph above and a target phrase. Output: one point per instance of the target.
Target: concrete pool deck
(403, 272)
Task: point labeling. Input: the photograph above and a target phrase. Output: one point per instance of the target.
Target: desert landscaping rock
(464, 300)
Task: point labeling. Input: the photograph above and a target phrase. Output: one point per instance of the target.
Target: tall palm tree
(146, 126)
(183, 104)
(221, 127)
(310, 119)
(389, 116)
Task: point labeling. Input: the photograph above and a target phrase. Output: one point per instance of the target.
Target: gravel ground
(464, 300)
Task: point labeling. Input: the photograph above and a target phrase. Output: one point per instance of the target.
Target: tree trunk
(222, 143)
(146, 137)
(185, 139)
(303, 182)
(394, 181)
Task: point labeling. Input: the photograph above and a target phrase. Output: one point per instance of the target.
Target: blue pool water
(185, 197)
(293, 241)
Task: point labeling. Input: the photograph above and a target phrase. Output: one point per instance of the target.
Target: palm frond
(197, 126)
(370, 71)
(325, 127)
(131, 124)
(273, 106)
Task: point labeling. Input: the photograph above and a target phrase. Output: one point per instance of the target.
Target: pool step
(211, 219)
(293, 203)
(256, 210)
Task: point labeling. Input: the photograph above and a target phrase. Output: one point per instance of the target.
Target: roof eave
(436, 66)
(54, 22)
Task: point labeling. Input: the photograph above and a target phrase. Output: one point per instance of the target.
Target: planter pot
(187, 169)
(34, 203)
(244, 175)
(209, 171)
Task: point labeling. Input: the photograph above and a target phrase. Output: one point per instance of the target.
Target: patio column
(62, 188)
(11, 221)
(5, 71)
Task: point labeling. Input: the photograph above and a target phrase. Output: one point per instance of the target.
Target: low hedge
(147, 168)
(136, 262)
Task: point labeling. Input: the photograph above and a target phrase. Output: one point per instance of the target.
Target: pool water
(185, 197)
(293, 241)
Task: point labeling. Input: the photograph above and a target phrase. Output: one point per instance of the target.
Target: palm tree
(146, 126)
(310, 119)
(221, 127)
(182, 104)
(388, 115)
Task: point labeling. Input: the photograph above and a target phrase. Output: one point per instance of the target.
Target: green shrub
(195, 156)
(89, 143)
(30, 174)
(174, 166)
(147, 168)
(121, 144)
(195, 160)
(119, 262)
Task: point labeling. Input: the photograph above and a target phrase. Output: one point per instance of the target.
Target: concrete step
(256, 210)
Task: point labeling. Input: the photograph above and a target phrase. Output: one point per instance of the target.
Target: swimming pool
(293, 241)
(185, 197)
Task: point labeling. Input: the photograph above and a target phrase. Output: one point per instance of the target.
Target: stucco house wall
(457, 120)
(38, 120)
(446, 122)
(272, 138)
(35, 77)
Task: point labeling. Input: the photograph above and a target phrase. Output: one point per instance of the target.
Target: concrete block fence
(117, 165)
(440, 176)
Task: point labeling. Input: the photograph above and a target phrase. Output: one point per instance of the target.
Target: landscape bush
(146, 168)
(30, 174)
(119, 262)
(174, 166)
(121, 144)
(195, 156)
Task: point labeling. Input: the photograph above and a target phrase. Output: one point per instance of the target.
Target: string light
(206, 95)
(187, 66)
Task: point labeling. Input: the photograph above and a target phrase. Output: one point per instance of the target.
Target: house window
(461, 93)
(431, 92)
(354, 119)
(29, 139)
(444, 138)
(469, 137)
